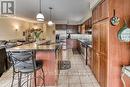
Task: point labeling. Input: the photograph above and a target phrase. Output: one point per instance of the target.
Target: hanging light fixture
(50, 23)
(40, 16)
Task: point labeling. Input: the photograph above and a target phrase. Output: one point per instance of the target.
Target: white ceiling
(73, 11)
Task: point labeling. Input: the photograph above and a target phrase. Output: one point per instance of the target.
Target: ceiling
(64, 11)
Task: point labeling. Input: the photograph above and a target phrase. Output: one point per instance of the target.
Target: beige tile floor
(79, 75)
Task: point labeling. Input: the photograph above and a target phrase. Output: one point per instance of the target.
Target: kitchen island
(50, 55)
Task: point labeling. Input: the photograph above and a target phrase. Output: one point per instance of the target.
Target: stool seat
(28, 67)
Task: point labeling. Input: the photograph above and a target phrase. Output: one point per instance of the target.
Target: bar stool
(23, 62)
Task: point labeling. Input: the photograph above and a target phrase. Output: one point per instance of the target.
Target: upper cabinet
(70, 29)
(100, 12)
(88, 24)
(85, 26)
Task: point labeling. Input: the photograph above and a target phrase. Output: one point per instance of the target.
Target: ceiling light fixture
(50, 23)
(40, 16)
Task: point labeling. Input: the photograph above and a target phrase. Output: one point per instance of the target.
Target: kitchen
(81, 44)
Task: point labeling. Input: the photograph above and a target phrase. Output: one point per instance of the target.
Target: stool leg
(30, 80)
(19, 79)
(35, 79)
(27, 80)
(13, 79)
(43, 76)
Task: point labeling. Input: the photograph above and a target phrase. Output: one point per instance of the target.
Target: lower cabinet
(103, 70)
(89, 56)
(72, 43)
(98, 64)
(100, 50)
(3, 61)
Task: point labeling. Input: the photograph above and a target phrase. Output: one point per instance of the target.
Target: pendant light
(50, 23)
(40, 16)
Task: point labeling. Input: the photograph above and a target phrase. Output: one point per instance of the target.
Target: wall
(50, 33)
(119, 52)
(12, 28)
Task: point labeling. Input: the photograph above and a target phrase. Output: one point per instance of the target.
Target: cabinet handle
(97, 54)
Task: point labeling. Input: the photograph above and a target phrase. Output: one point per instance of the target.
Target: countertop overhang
(33, 46)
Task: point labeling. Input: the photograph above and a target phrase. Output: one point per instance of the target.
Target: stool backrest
(21, 60)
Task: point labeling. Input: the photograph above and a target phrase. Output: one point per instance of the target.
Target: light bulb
(50, 23)
(40, 17)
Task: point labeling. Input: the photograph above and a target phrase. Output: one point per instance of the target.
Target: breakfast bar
(50, 55)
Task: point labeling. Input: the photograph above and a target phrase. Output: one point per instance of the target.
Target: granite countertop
(33, 46)
(86, 44)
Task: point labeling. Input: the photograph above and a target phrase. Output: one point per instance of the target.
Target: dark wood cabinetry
(96, 63)
(73, 29)
(88, 23)
(100, 12)
(103, 70)
(109, 54)
(100, 30)
(89, 56)
(104, 29)
(3, 61)
(85, 26)
(96, 37)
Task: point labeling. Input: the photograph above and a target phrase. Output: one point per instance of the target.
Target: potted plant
(37, 35)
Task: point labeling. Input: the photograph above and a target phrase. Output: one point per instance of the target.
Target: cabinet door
(91, 60)
(103, 70)
(96, 37)
(104, 27)
(96, 63)
(89, 56)
(94, 15)
(72, 43)
(3, 61)
(105, 11)
(101, 11)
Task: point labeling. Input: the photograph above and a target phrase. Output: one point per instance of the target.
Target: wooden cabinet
(82, 29)
(100, 39)
(72, 43)
(85, 26)
(113, 54)
(104, 28)
(100, 12)
(88, 23)
(103, 70)
(89, 56)
(100, 36)
(3, 61)
(96, 37)
(96, 63)
(104, 11)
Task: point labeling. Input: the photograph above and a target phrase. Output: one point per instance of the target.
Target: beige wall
(50, 33)
(11, 28)
(8, 28)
